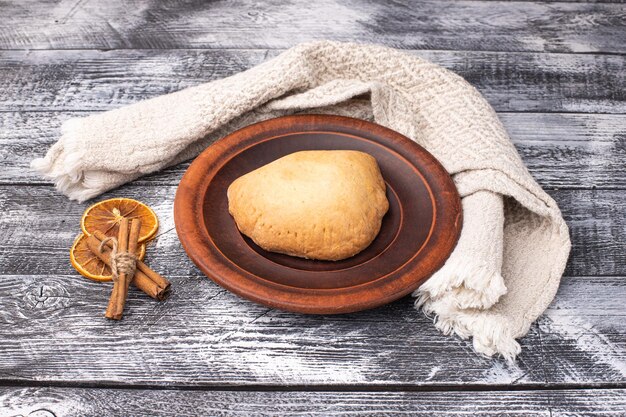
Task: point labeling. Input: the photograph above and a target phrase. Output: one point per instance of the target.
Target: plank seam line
(325, 388)
(101, 110)
(409, 49)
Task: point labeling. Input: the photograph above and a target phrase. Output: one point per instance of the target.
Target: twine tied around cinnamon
(121, 263)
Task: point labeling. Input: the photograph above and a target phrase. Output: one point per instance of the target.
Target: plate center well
(408, 220)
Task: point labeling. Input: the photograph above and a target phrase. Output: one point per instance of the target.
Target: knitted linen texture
(514, 244)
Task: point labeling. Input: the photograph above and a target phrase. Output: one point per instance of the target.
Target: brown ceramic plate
(417, 235)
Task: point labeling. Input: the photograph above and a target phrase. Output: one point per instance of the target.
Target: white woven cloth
(514, 244)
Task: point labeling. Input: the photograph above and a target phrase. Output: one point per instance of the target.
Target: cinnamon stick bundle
(143, 270)
(145, 279)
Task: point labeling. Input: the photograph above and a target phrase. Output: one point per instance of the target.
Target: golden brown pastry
(313, 204)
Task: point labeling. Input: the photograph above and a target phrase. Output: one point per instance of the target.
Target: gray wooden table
(554, 71)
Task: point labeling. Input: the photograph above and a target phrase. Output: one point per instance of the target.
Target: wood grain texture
(560, 150)
(596, 219)
(101, 80)
(69, 402)
(52, 331)
(553, 62)
(467, 25)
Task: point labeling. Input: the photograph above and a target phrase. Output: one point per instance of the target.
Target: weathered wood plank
(562, 1)
(38, 226)
(554, 147)
(466, 25)
(68, 402)
(95, 80)
(230, 341)
(568, 1)
(100, 80)
(52, 330)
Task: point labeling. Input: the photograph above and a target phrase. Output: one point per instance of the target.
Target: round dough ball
(324, 205)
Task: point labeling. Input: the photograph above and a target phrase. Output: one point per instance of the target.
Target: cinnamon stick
(125, 278)
(140, 280)
(133, 237)
(115, 309)
(152, 275)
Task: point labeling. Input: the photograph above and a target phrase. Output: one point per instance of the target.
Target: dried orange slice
(88, 264)
(106, 215)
